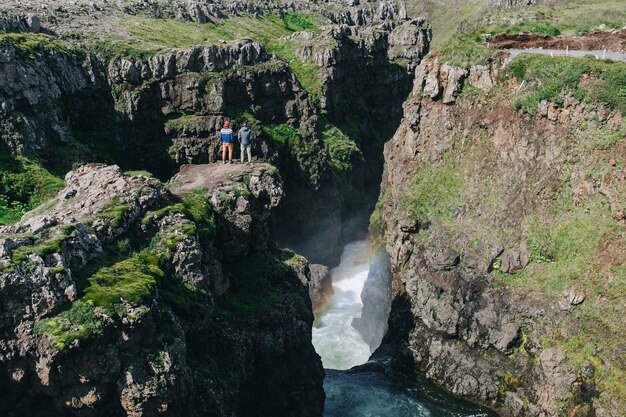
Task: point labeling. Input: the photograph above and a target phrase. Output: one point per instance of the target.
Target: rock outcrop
(121, 297)
(470, 183)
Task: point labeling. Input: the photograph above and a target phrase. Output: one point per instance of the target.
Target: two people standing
(244, 136)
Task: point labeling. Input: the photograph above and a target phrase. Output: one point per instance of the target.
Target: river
(361, 393)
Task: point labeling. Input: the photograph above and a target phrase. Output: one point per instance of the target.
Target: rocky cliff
(321, 121)
(501, 212)
(126, 296)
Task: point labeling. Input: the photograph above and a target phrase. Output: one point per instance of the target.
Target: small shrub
(283, 133)
(24, 185)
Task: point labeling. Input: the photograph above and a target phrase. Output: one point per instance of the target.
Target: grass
(587, 79)
(465, 51)
(28, 46)
(138, 173)
(306, 72)
(570, 18)
(147, 36)
(468, 46)
(562, 247)
(345, 154)
(282, 134)
(434, 193)
(24, 185)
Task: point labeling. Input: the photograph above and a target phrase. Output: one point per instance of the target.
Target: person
(245, 137)
(226, 137)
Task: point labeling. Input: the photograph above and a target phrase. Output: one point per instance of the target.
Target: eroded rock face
(451, 317)
(121, 298)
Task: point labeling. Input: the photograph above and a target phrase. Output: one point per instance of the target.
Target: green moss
(185, 299)
(77, 323)
(199, 209)
(114, 212)
(28, 46)
(376, 220)
(132, 280)
(46, 245)
(24, 185)
(546, 78)
(345, 154)
(253, 286)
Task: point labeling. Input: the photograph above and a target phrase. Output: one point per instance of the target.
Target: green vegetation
(466, 50)
(345, 155)
(187, 124)
(306, 72)
(376, 220)
(469, 46)
(78, 323)
(283, 134)
(24, 185)
(562, 247)
(44, 246)
(589, 80)
(28, 46)
(570, 18)
(131, 280)
(433, 193)
(146, 36)
(138, 173)
(114, 212)
(199, 210)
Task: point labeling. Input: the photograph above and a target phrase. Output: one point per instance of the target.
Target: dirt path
(615, 56)
(596, 41)
(211, 176)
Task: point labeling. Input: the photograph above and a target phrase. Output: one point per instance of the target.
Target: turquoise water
(368, 393)
(371, 394)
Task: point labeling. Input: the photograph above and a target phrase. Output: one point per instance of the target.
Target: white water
(368, 394)
(336, 341)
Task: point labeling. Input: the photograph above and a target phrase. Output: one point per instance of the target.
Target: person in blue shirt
(227, 139)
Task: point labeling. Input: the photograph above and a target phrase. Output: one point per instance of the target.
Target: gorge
(477, 197)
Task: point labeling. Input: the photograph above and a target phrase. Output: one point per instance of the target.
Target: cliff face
(127, 297)
(502, 215)
(64, 102)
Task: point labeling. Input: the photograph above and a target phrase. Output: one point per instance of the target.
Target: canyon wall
(502, 216)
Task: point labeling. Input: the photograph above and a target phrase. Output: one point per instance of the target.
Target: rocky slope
(501, 212)
(124, 297)
(318, 120)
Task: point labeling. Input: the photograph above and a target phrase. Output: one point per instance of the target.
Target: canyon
(141, 276)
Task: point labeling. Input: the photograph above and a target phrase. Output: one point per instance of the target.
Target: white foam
(339, 345)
